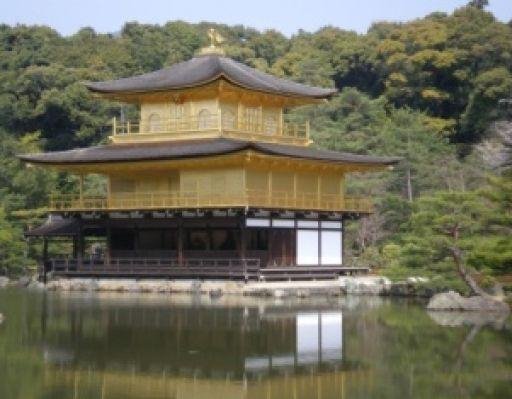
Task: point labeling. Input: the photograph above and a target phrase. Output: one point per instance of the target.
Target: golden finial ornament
(216, 40)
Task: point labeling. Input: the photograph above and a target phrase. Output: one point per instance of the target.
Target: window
(252, 118)
(155, 123)
(270, 126)
(178, 111)
(253, 222)
(307, 247)
(177, 117)
(331, 247)
(228, 119)
(204, 120)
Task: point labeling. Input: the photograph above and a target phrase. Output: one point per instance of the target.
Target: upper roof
(205, 69)
(194, 148)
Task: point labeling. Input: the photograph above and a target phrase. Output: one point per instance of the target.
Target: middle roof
(204, 69)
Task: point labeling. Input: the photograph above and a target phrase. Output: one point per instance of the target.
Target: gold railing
(181, 200)
(210, 126)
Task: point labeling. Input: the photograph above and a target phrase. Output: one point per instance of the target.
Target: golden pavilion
(211, 181)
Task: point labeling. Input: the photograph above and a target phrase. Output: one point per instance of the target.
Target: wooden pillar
(180, 241)
(136, 239)
(342, 241)
(270, 246)
(108, 248)
(243, 238)
(81, 189)
(80, 246)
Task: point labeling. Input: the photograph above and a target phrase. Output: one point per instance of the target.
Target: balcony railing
(183, 200)
(237, 268)
(210, 126)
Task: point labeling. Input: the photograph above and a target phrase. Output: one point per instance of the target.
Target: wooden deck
(169, 268)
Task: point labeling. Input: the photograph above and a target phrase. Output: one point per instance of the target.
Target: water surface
(113, 346)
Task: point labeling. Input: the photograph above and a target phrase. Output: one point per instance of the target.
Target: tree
(11, 246)
(454, 230)
(480, 4)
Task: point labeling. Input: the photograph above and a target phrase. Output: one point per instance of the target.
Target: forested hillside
(433, 90)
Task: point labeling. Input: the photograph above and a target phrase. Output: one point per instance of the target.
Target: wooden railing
(210, 126)
(180, 200)
(162, 267)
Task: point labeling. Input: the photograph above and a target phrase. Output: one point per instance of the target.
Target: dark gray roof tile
(204, 69)
(194, 148)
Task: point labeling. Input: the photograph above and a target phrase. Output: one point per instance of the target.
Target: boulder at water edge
(454, 301)
(4, 281)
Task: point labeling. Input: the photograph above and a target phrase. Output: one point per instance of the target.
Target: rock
(368, 285)
(36, 285)
(454, 301)
(196, 286)
(302, 293)
(333, 292)
(416, 280)
(216, 293)
(259, 293)
(23, 281)
(401, 288)
(4, 281)
(280, 294)
(457, 318)
(2, 318)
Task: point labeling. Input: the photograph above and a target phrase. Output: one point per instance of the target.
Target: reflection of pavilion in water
(318, 341)
(239, 349)
(188, 340)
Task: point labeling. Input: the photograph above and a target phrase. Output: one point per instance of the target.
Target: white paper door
(331, 248)
(307, 247)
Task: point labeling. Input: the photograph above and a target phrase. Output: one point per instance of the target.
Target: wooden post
(80, 247)
(243, 245)
(342, 241)
(243, 238)
(219, 122)
(81, 190)
(180, 241)
(108, 244)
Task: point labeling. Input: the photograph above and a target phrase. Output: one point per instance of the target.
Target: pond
(113, 346)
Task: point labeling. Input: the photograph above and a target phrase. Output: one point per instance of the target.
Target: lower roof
(170, 150)
(55, 227)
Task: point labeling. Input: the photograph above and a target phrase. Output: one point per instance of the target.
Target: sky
(286, 16)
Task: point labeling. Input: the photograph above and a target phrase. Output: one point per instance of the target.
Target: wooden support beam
(180, 240)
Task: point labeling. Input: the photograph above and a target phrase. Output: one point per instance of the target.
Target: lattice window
(204, 120)
(228, 119)
(270, 125)
(155, 123)
(252, 119)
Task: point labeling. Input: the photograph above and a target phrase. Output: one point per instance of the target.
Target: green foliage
(11, 246)
(474, 222)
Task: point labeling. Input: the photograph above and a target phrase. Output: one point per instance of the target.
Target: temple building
(211, 181)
